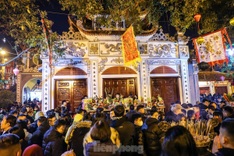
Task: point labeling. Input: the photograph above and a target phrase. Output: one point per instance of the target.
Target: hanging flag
(46, 33)
(131, 54)
(212, 49)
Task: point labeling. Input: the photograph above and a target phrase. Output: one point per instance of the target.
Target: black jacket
(125, 129)
(53, 143)
(38, 135)
(152, 135)
(78, 135)
(126, 132)
(225, 152)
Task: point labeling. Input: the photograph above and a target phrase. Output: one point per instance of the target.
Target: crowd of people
(120, 131)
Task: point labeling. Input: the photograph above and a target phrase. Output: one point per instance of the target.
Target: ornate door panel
(221, 89)
(70, 90)
(166, 87)
(79, 91)
(125, 86)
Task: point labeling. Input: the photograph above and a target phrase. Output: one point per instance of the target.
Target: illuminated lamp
(197, 17)
(16, 71)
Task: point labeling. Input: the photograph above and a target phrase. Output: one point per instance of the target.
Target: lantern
(197, 17)
(16, 71)
(200, 40)
(222, 78)
(232, 22)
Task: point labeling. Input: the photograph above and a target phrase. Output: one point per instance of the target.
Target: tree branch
(4, 64)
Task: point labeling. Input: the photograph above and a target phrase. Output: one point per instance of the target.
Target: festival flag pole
(47, 33)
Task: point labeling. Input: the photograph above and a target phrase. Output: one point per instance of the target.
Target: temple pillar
(46, 85)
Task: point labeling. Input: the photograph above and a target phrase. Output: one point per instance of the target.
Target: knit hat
(39, 114)
(33, 150)
(78, 117)
(176, 107)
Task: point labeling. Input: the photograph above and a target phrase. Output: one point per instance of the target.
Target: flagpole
(47, 40)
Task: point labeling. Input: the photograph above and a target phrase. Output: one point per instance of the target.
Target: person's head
(191, 114)
(8, 122)
(178, 142)
(140, 109)
(206, 102)
(184, 106)
(21, 117)
(117, 95)
(51, 118)
(40, 120)
(100, 131)
(218, 115)
(33, 150)
(60, 126)
(211, 110)
(78, 118)
(227, 111)
(38, 114)
(23, 111)
(226, 134)
(64, 103)
(112, 114)
(10, 145)
(176, 109)
(137, 119)
(18, 131)
(154, 113)
(14, 113)
(131, 107)
(119, 111)
(214, 105)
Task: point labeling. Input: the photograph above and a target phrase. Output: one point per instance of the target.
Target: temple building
(92, 63)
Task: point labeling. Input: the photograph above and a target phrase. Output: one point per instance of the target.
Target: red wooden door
(70, 90)
(123, 86)
(167, 88)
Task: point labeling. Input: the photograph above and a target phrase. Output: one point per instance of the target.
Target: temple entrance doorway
(70, 90)
(119, 79)
(167, 88)
(123, 86)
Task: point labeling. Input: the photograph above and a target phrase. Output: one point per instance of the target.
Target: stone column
(196, 81)
(94, 78)
(185, 81)
(46, 85)
(18, 88)
(144, 85)
(184, 55)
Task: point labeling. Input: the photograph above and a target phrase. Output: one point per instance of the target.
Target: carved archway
(71, 71)
(163, 70)
(118, 70)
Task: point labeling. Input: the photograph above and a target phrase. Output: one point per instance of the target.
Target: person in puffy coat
(37, 136)
(76, 133)
(53, 141)
(152, 135)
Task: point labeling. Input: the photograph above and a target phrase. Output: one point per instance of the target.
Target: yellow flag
(131, 55)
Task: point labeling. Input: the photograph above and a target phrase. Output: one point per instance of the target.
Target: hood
(150, 121)
(118, 122)
(86, 124)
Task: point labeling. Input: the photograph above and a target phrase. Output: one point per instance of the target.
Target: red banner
(212, 50)
(130, 52)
